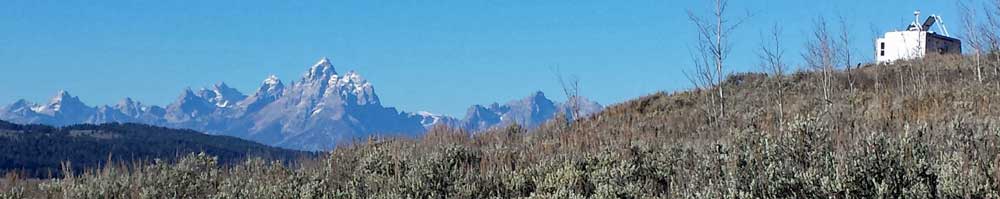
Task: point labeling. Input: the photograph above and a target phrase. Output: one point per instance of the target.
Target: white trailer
(917, 41)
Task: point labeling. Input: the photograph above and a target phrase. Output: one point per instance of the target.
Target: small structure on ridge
(917, 41)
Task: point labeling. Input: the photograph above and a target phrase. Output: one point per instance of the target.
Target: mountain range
(320, 110)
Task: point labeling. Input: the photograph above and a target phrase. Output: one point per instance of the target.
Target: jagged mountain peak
(126, 100)
(189, 96)
(187, 91)
(221, 86)
(62, 109)
(62, 93)
(537, 94)
(125, 103)
(272, 80)
(220, 94)
(530, 112)
(429, 120)
(225, 96)
(271, 86)
(189, 105)
(353, 85)
(128, 105)
(63, 96)
(351, 78)
(270, 90)
(535, 98)
(60, 101)
(321, 70)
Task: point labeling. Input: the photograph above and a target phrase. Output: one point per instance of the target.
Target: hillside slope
(40, 150)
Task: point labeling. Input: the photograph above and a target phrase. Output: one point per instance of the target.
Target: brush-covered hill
(932, 94)
(41, 151)
(920, 129)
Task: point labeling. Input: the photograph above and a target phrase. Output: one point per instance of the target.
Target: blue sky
(440, 56)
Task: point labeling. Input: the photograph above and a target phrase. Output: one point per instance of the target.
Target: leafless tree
(571, 88)
(990, 38)
(845, 51)
(703, 76)
(820, 55)
(703, 79)
(878, 70)
(772, 56)
(972, 37)
(714, 44)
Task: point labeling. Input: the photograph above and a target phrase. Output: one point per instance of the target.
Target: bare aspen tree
(820, 55)
(972, 37)
(878, 70)
(571, 88)
(772, 56)
(714, 32)
(845, 50)
(703, 78)
(991, 38)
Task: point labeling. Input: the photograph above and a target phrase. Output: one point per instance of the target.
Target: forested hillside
(43, 151)
(920, 129)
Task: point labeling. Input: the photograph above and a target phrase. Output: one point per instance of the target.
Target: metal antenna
(941, 27)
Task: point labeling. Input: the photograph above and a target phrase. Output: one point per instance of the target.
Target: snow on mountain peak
(222, 95)
(272, 80)
(270, 87)
(129, 107)
(60, 96)
(425, 113)
(57, 102)
(354, 80)
(352, 85)
(65, 107)
(322, 68)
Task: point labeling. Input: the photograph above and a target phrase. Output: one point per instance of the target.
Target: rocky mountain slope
(320, 110)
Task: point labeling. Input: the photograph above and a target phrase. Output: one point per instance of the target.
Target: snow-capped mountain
(62, 109)
(21, 112)
(222, 95)
(269, 91)
(323, 108)
(189, 107)
(529, 112)
(429, 120)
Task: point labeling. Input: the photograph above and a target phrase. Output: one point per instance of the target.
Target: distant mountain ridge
(529, 112)
(323, 108)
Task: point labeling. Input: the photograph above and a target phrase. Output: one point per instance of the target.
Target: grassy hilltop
(917, 129)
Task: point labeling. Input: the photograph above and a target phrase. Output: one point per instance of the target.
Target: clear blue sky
(440, 56)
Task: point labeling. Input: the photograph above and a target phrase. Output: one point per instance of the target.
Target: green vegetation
(923, 129)
(43, 151)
